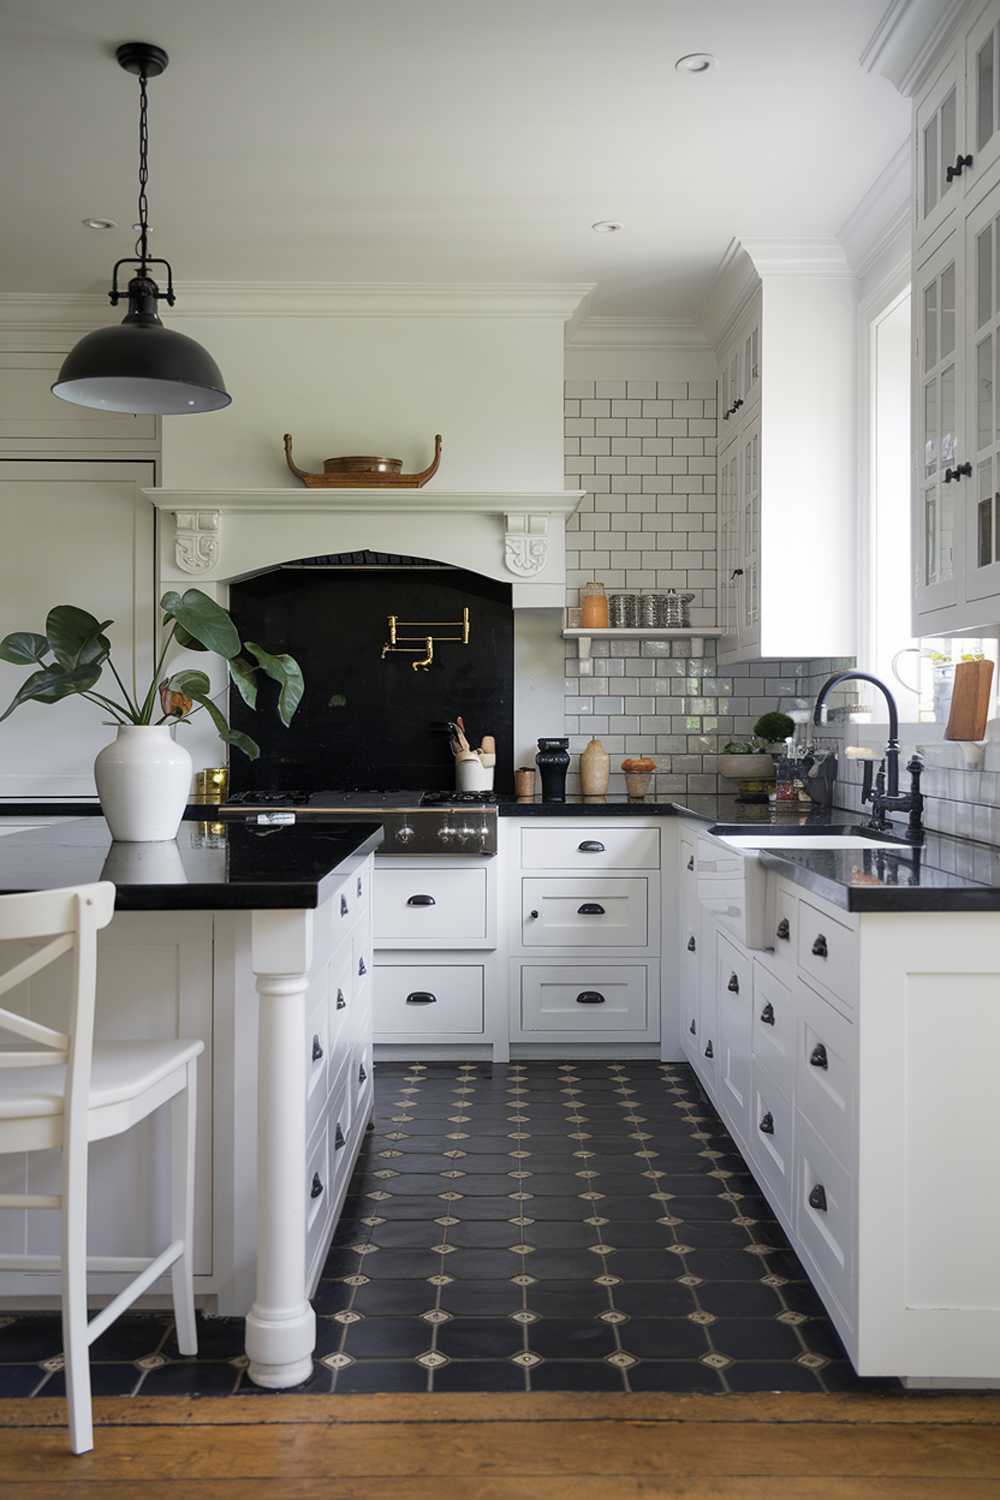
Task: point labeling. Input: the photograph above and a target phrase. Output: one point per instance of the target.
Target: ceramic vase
(552, 761)
(595, 765)
(143, 780)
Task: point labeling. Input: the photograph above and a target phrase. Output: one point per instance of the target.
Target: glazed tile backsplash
(644, 452)
(963, 803)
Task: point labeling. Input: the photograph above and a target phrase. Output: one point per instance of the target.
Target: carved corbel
(196, 544)
(526, 543)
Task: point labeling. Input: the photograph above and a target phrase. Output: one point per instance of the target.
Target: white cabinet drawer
(826, 1071)
(317, 1055)
(784, 924)
(430, 906)
(774, 1027)
(581, 998)
(341, 1012)
(602, 912)
(828, 952)
(621, 848)
(319, 1192)
(734, 1000)
(770, 1137)
(823, 1216)
(428, 999)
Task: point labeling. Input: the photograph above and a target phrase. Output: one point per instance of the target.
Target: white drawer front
(770, 1137)
(584, 999)
(828, 953)
(784, 917)
(419, 1000)
(443, 905)
(602, 912)
(823, 1214)
(317, 1055)
(774, 1027)
(734, 1001)
(319, 1192)
(620, 848)
(826, 1071)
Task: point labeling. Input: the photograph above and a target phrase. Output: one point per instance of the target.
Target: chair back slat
(26, 1059)
(35, 962)
(33, 1031)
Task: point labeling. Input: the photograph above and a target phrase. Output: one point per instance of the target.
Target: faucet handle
(867, 770)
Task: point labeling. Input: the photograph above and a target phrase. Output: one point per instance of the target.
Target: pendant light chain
(142, 243)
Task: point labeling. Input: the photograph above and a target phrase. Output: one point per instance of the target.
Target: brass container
(211, 785)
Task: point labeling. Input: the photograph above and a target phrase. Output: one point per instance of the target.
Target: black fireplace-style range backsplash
(365, 721)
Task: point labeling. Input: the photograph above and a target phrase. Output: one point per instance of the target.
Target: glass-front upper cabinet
(751, 354)
(940, 119)
(750, 527)
(981, 145)
(944, 474)
(982, 507)
(729, 562)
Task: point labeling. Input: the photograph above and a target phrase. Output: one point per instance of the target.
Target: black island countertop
(210, 866)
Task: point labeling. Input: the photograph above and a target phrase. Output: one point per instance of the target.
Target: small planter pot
(143, 780)
(746, 767)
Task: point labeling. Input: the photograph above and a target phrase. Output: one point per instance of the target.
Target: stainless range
(414, 822)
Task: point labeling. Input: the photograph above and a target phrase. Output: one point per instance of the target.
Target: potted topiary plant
(773, 729)
(144, 777)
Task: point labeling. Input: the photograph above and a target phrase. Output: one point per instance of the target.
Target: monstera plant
(71, 659)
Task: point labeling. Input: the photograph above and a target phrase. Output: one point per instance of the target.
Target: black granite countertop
(78, 807)
(711, 809)
(210, 866)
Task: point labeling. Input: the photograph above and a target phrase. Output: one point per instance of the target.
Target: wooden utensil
(463, 742)
(970, 701)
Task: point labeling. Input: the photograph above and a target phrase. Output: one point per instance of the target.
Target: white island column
(281, 1324)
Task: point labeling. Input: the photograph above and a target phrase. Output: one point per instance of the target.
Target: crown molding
(907, 39)
(797, 257)
(883, 214)
(266, 299)
(636, 333)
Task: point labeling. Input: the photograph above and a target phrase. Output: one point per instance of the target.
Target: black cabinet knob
(818, 1057)
(341, 1002)
(690, 863)
(736, 573)
(591, 909)
(533, 915)
(819, 948)
(709, 1050)
(734, 984)
(591, 846)
(737, 403)
(693, 1028)
(359, 887)
(338, 1138)
(817, 1198)
(766, 1126)
(692, 945)
(767, 1014)
(783, 930)
(963, 471)
(421, 997)
(420, 901)
(317, 1049)
(317, 1186)
(343, 906)
(957, 167)
(590, 997)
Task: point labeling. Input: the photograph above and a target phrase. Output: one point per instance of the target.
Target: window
(919, 671)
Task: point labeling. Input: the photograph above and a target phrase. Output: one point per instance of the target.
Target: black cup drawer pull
(734, 984)
(591, 846)
(591, 909)
(421, 997)
(817, 1198)
(783, 930)
(693, 1028)
(690, 863)
(316, 1190)
(819, 947)
(420, 901)
(317, 1051)
(818, 1057)
(341, 1002)
(338, 1138)
(709, 1050)
(692, 945)
(590, 997)
(766, 1126)
(344, 908)
(767, 1014)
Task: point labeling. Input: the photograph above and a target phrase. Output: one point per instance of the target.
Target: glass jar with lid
(594, 605)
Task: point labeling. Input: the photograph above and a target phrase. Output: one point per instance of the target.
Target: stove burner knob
(446, 833)
(404, 835)
(466, 832)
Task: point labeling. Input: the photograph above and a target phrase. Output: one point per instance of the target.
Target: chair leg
(184, 1108)
(76, 1344)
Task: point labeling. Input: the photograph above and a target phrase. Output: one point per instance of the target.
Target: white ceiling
(437, 140)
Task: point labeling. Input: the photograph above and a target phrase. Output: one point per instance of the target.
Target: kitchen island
(257, 941)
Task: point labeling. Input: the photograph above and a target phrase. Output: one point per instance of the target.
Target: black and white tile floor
(583, 1226)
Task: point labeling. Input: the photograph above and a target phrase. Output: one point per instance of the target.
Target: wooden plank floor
(511, 1447)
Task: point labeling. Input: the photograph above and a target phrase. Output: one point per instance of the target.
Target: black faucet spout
(885, 794)
(892, 745)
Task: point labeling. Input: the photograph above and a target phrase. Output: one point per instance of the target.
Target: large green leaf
(200, 617)
(75, 636)
(287, 673)
(242, 742)
(244, 674)
(186, 640)
(23, 647)
(52, 684)
(189, 682)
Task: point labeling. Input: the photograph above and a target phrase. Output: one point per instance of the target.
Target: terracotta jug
(594, 764)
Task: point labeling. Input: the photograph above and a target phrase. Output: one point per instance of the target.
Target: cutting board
(970, 701)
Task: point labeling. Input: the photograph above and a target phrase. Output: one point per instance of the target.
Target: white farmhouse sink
(805, 842)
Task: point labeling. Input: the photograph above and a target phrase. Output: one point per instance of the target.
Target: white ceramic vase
(143, 780)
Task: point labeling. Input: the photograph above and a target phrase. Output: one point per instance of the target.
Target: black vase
(552, 761)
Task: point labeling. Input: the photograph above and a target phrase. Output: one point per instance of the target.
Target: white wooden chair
(71, 1092)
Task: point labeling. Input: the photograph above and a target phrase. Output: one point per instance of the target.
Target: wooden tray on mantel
(363, 471)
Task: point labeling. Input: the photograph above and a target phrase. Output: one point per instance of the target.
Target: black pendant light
(138, 365)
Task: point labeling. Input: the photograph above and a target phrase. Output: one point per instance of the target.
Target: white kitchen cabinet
(982, 92)
(939, 409)
(938, 123)
(33, 421)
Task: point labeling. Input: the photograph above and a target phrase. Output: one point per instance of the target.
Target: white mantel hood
(218, 536)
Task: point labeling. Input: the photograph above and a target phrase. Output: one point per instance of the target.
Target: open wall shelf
(583, 637)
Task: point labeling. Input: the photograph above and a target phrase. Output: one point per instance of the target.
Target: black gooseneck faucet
(884, 795)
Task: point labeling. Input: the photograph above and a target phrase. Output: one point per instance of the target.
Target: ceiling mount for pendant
(140, 366)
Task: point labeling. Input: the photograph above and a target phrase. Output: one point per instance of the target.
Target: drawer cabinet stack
(584, 915)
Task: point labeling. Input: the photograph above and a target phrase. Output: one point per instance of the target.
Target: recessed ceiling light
(99, 224)
(695, 62)
(607, 226)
